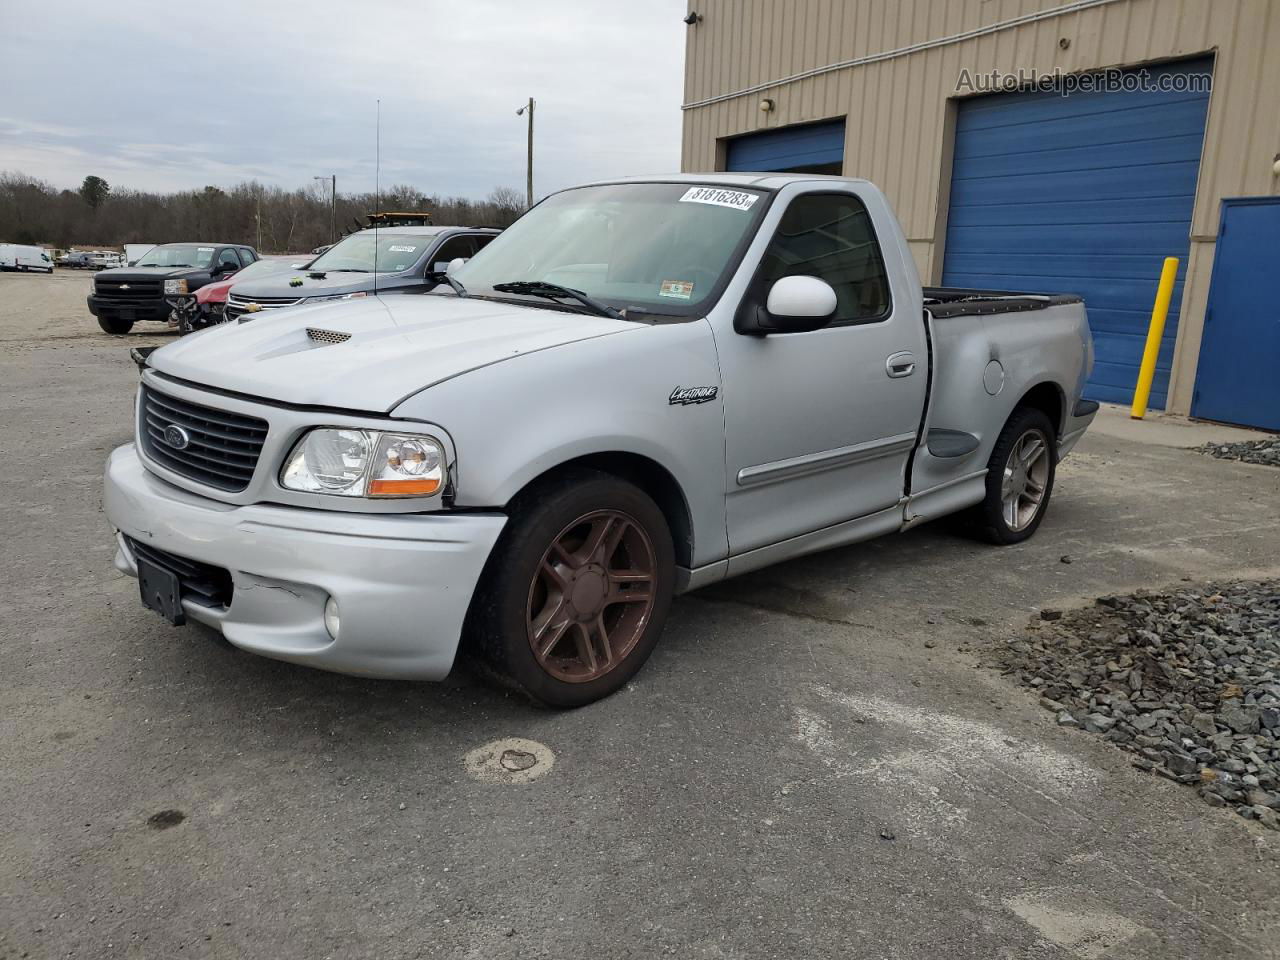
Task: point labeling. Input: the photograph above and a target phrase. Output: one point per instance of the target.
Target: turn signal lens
(417, 486)
(406, 466)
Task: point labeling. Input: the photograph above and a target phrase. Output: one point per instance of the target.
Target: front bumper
(149, 309)
(402, 582)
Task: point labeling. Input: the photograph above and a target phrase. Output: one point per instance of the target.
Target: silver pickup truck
(642, 387)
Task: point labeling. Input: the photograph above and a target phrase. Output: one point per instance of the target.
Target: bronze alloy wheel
(592, 596)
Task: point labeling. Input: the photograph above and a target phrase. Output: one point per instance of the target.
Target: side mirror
(795, 305)
(442, 268)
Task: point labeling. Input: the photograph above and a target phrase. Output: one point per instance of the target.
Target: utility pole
(529, 170)
(333, 205)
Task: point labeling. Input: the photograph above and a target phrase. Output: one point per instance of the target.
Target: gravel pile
(1250, 451)
(1187, 681)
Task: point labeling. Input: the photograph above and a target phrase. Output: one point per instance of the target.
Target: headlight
(365, 463)
(174, 287)
(341, 296)
(93, 286)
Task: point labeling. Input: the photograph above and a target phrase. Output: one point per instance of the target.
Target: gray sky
(161, 96)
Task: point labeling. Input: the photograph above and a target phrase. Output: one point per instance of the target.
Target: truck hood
(397, 347)
(287, 284)
(151, 273)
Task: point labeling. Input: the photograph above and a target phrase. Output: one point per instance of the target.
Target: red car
(205, 307)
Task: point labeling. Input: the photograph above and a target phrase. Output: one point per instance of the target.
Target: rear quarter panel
(1033, 347)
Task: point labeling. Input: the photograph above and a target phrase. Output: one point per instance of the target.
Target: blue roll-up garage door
(808, 148)
(1081, 194)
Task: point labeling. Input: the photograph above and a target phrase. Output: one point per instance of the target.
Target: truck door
(819, 425)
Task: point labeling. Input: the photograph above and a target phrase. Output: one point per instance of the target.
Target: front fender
(513, 421)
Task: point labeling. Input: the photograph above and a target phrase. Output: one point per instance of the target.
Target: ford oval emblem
(176, 437)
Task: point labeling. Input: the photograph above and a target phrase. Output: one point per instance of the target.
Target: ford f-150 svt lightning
(641, 387)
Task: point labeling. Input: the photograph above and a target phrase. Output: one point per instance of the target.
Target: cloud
(183, 96)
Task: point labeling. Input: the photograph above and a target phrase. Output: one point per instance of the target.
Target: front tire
(114, 325)
(1020, 477)
(576, 591)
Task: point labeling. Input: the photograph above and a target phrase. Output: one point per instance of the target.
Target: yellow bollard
(1159, 312)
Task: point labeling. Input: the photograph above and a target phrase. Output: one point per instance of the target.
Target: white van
(17, 256)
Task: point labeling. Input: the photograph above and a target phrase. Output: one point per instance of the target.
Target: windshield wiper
(553, 291)
(348, 270)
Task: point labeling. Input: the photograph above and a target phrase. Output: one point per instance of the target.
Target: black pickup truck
(122, 296)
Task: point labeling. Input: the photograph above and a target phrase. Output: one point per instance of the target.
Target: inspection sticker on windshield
(402, 249)
(736, 199)
(680, 289)
(205, 249)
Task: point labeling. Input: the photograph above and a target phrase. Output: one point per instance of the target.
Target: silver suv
(382, 260)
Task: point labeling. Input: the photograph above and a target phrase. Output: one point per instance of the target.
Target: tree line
(272, 219)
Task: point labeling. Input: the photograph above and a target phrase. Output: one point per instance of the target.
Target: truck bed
(945, 302)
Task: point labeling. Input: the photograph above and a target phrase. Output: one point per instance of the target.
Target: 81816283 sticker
(720, 197)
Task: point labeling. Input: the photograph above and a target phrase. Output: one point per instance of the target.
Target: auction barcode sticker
(737, 199)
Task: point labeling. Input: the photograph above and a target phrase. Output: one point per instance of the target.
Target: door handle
(900, 365)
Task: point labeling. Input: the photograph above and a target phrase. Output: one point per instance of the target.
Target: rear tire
(115, 325)
(576, 592)
(1020, 477)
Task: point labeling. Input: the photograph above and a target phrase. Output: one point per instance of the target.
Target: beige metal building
(901, 92)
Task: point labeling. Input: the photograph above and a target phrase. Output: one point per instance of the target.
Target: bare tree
(277, 220)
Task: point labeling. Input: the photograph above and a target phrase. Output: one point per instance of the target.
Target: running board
(950, 444)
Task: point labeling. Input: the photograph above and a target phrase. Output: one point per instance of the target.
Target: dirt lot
(810, 765)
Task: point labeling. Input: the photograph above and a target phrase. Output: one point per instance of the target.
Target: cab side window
(246, 256)
(228, 258)
(482, 240)
(453, 247)
(829, 236)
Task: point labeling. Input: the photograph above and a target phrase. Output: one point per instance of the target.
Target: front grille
(266, 303)
(198, 582)
(327, 336)
(109, 288)
(238, 306)
(222, 448)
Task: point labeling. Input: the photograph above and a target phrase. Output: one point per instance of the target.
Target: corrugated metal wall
(899, 111)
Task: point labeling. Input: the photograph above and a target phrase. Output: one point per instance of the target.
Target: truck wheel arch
(651, 477)
(1048, 397)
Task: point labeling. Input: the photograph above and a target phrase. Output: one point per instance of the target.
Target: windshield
(355, 253)
(660, 247)
(177, 255)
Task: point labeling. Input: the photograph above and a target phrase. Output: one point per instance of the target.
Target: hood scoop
(327, 336)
